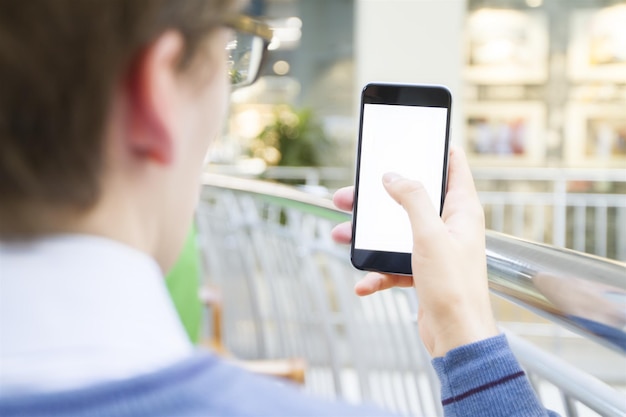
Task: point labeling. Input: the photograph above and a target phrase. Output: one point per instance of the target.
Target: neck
(119, 219)
(123, 220)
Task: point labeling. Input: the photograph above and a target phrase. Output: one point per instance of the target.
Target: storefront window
(545, 83)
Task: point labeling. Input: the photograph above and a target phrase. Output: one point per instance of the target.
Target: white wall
(414, 41)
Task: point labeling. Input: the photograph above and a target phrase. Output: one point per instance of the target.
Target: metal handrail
(489, 173)
(584, 293)
(541, 278)
(550, 174)
(566, 207)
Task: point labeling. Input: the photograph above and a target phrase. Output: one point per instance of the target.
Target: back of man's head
(60, 60)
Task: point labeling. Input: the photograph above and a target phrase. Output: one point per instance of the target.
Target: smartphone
(404, 128)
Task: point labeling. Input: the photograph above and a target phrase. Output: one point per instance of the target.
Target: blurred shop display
(542, 111)
(596, 135)
(546, 83)
(597, 49)
(512, 131)
(545, 119)
(506, 47)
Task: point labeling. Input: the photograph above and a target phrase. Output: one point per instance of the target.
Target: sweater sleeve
(485, 379)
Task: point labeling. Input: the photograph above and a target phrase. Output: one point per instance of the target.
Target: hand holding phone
(449, 260)
(403, 129)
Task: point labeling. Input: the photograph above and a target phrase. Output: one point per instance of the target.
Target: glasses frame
(250, 26)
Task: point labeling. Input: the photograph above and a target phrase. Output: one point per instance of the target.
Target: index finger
(461, 195)
(459, 173)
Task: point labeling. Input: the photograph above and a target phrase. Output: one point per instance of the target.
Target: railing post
(621, 237)
(559, 229)
(600, 232)
(569, 405)
(312, 177)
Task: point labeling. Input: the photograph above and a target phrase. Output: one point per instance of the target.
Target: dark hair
(59, 62)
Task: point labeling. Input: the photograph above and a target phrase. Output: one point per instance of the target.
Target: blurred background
(539, 91)
(539, 105)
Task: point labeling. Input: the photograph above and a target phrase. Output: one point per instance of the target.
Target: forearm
(485, 379)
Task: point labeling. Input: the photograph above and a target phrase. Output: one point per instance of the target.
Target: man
(107, 108)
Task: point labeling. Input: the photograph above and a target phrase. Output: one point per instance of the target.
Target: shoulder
(236, 392)
(201, 385)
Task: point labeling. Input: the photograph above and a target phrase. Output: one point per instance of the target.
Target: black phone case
(396, 94)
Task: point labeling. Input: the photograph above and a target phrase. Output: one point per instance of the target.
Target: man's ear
(152, 92)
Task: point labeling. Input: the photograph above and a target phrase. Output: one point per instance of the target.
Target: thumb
(413, 197)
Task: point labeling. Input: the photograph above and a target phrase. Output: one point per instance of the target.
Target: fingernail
(390, 177)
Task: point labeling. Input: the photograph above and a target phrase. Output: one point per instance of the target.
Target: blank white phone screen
(410, 141)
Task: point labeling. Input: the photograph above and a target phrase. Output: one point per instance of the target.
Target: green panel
(183, 282)
(320, 212)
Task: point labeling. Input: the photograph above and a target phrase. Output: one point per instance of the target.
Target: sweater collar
(77, 310)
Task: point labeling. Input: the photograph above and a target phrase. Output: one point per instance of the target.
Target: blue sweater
(475, 380)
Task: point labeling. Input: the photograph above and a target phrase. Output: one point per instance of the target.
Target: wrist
(463, 332)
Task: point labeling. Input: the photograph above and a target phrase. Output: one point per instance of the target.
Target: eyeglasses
(247, 49)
